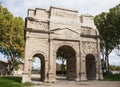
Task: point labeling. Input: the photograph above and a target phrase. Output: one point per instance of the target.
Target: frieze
(64, 14)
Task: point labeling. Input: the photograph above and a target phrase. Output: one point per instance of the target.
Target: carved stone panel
(64, 13)
(37, 25)
(88, 31)
(89, 47)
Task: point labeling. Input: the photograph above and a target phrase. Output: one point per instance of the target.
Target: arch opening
(90, 67)
(38, 68)
(68, 68)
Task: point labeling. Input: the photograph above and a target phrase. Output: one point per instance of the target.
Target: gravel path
(64, 83)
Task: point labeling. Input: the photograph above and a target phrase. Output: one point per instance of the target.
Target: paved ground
(64, 83)
(61, 82)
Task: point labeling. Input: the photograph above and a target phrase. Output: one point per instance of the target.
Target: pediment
(65, 33)
(64, 29)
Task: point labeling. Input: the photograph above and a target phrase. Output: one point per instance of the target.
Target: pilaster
(51, 73)
(82, 65)
(100, 75)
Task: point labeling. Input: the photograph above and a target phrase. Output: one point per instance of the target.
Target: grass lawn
(111, 77)
(12, 81)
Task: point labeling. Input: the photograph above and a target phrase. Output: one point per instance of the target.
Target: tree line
(114, 68)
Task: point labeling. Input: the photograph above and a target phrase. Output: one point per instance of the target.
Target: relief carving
(89, 47)
(39, 25)
(86, 31)
(43, 26)
(64, 14)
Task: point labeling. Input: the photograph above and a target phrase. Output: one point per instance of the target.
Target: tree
(115, 12)
(61, 56)
(108, 25)
(105, 25)
(113, 67)
(12, 38)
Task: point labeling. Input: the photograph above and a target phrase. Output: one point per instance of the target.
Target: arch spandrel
(58, 44)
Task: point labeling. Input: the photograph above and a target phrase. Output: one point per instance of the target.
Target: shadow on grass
(13, 81)
(13, 78)
(112, 77)
(10, 81)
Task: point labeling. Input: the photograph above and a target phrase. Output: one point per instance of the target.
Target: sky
(92, 7)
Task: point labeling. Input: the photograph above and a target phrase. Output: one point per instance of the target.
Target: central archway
(70, 55)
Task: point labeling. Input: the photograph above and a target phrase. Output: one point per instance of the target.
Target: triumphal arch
(61, 29)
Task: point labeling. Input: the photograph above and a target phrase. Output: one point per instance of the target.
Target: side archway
(42, 66)
(90, 67)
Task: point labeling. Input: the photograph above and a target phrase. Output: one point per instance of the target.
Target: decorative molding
(38, 30)
(66, 39)
(90, 36)
(36, 20)
(62, 8)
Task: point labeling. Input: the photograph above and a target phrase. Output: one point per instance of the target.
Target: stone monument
(65, 30)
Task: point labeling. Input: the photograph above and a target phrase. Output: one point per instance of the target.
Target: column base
(25, 78)
(77, 79)
(83, 77)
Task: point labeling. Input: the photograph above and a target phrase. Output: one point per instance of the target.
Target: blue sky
(92, 7)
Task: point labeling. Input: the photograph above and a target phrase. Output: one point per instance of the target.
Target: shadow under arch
(42, 67)
(70, 56)
(90, 67)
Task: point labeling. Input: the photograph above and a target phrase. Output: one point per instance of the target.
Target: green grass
(112, 77)
(12, 81)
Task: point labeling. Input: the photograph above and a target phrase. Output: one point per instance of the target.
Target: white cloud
(113, 58)
(93, 7)
(2, 57)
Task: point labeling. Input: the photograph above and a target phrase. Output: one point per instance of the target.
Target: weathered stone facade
(62, 29)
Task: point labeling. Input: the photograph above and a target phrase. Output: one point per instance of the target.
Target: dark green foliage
(113, 67)
(14, 78)
(114, 77)
(10, 81)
